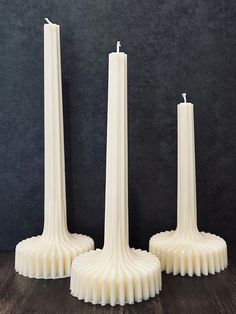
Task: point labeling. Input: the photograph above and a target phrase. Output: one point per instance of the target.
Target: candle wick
(47, 20)
(184, 97)
(118, 45)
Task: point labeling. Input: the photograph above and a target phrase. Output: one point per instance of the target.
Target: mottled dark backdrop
(172, 46)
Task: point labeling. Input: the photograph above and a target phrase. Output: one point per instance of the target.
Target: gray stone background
(172, 46)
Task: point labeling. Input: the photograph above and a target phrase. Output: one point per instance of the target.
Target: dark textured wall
(172, 46)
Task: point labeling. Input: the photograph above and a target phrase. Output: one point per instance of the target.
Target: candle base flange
(100, 278)
(41, 257)
(202, 253)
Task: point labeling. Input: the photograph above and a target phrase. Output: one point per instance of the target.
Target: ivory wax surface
(186, 250)
(50, 255)
(116, 274)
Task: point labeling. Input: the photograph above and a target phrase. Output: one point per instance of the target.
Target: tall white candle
(186, 250)
(54, 188)
(50, 255)
(116, 274)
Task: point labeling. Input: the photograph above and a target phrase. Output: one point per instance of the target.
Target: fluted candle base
(100, 278)
(203, 253)
(186, 250)
(40, 257)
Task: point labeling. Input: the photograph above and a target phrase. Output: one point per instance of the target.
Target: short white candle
(186, 250)
(186, 199)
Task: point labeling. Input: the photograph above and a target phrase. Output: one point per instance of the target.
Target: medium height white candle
(50, 255)
(186, 250)
(116, 202)
(116, 274)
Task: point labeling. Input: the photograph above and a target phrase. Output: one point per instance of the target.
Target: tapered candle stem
(186, 204)
(54, 161)
(116, 203)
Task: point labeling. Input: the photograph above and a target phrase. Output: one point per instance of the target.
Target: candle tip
(118, 45)
(47, 20)
(184, 97)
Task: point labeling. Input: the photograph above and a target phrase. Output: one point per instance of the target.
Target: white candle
(186, 199)
(50, 255)
(116, 274)
(186, 250)
(55, 197)
(116, 205)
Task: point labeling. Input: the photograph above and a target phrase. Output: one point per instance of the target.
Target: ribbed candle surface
(50, 255)
(116, 274)
(186, 250)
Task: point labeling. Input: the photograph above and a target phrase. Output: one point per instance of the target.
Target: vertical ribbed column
(186, 203)
(116, 203)
(55, 196)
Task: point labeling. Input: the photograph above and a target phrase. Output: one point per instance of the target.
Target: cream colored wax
(186, 250)
(116, 274)
(50, 255)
